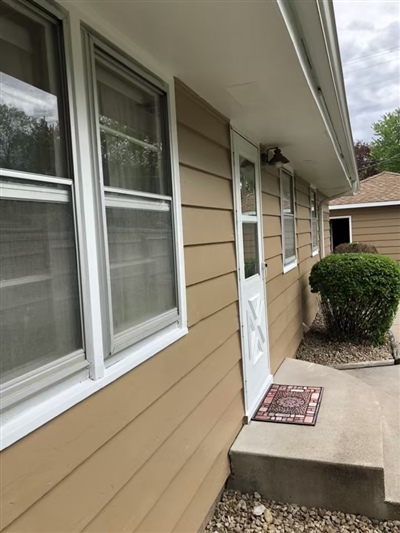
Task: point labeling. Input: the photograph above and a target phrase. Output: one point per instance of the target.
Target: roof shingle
(383, 187)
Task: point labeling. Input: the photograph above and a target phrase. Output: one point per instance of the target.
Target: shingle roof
(383, 187)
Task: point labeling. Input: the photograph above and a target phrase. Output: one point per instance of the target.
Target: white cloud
(369, 38)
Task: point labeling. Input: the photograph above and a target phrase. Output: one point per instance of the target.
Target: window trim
(50, 402)
(314, 249)
(291, 262)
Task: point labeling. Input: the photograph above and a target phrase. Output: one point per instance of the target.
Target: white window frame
(289, 263)
(314, 237)
(45, 403)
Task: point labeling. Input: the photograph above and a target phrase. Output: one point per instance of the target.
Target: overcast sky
(369, 37)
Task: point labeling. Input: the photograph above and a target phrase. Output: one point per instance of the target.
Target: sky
(369, 39)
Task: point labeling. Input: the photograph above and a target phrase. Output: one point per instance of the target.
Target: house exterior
(371, 216)
(154, 264)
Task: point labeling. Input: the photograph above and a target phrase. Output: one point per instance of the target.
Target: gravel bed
(317, 348)
(245, 513)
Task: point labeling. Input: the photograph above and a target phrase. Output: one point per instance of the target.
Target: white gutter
(328, 23)
(367, 204)
(288, 11)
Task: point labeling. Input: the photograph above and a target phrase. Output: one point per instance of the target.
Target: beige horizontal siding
(289, 299)
(158, 437)
(378, 226)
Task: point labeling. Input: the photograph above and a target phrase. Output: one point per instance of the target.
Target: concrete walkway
(385, 381)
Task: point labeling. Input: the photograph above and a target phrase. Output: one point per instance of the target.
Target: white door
(251, 271)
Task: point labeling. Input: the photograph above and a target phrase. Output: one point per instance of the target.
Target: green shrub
(355, 248)
(359, 294)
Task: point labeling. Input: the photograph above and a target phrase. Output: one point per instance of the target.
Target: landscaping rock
(231, 516)
(316, 347)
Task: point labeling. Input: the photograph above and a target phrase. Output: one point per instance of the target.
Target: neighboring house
(371, 216)
(144, 308)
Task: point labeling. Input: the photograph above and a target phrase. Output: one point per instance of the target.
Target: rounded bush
(355, 248)
(359, 294)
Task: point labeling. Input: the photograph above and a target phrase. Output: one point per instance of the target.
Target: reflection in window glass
(287, 193)
(250, 249)
(39, 315)
(141, 265)
(288, 219)
(130, 120)
(247, 186)
(31, 122)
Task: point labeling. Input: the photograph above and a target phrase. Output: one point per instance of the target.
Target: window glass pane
(287, 193)
(141, 256)
(31, 123)
(247, 186)
(39, 299)
(250, 249)
(315, 233)
(290, 242)
(131, 130)
(313, 205)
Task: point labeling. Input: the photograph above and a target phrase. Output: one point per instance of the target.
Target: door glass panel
(247, 186)
(250, 249)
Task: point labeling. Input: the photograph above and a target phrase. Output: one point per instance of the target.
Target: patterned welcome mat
(290, 404)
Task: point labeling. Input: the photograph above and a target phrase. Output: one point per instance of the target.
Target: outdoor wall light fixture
(277, 160)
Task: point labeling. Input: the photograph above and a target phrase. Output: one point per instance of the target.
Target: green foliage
(355, 248)
(386, 144)
(359, 294)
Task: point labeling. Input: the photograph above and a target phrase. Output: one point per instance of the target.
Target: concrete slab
(349, 411)
(337, 464)
(386, 384)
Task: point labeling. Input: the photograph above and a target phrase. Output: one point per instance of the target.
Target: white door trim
(250, 407)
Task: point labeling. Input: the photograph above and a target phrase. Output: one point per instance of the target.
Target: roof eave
(292, 13)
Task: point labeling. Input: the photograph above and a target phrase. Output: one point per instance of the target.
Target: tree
(366, 164)
(385, 146)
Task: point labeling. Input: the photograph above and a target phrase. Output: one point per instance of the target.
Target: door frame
(234, 134)
(350, 228)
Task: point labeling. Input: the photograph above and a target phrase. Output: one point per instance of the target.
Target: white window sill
(289, 266)
(315, 252)
(30, 415)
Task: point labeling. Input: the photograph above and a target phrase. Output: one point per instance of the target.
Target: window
(40, 313)
(91, 252)
(136, 191)
(314, 222)
(288, 221)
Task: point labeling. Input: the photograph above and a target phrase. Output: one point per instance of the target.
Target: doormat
(290, 404)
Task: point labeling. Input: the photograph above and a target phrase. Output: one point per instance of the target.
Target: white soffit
(239, 57)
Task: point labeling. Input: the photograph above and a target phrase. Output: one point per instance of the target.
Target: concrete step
(386, 383)
(337, 464)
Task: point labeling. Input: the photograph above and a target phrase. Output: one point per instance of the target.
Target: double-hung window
(314, 222)
(91, 267)
(288, 220)
(131, 123)
(40, 311)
